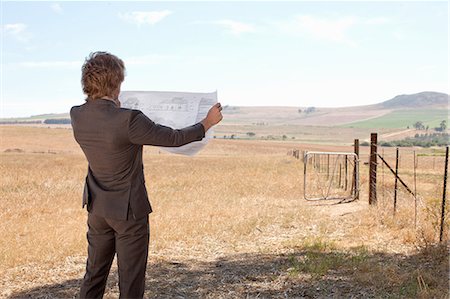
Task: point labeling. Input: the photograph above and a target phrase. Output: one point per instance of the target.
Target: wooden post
(396, 181)
(444, 193)
(415, 190)
(373, 169)
(320, 163)
(355, 180)
(383, 186)
(346, 173)
(328, 167)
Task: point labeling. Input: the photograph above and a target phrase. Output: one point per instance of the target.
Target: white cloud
(400, 34)
(56, 7)
(15, 28)
(148, 59)
(235, 27)
(329, 29)
(377, 21)
(50, 64)
(17, 31)
(144, 17)
(72, 64)
(335, 30)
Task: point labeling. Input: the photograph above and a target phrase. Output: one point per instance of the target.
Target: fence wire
(423, 173)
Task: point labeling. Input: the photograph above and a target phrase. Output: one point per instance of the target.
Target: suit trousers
(106, 237)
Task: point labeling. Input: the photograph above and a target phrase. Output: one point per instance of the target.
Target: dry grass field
(230, 222)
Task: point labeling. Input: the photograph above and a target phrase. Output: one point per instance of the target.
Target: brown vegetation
(229, 222)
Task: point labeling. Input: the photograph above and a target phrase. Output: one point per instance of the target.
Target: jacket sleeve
(144, 131)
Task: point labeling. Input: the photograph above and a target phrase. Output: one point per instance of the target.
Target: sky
(271, 53)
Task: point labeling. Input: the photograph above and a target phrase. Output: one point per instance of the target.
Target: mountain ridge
(429, 99)
(421, 100)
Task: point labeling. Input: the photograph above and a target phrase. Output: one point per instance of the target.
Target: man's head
(101, 75)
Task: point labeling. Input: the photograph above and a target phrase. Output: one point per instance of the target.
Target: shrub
(57, 121)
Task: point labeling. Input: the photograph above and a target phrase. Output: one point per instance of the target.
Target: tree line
(419, 125)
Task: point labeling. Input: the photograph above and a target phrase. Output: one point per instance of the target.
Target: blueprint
(173, 109)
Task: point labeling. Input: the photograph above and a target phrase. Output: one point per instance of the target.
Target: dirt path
(399, 134)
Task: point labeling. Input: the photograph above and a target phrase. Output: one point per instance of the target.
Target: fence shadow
(305, 273)
(331, 202)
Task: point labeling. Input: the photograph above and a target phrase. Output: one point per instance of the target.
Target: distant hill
(39, 117)
(50, 118)
(399, 112)
(426, 99)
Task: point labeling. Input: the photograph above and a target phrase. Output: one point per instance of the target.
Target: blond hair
(101, 75)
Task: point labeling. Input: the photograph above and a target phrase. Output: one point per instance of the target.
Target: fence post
(396, 181)
(320, 164)
(355, 181)
(443, 196)
(328, 167)
(346, 173)
(373, 169)
(383, 186)
(415, 190)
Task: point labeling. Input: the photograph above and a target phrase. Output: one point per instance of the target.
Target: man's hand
(213, 118)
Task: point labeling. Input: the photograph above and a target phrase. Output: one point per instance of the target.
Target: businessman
(114, 192)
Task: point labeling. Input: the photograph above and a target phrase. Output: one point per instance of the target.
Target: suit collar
(101, 102)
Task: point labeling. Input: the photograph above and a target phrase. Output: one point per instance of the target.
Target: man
(112, 139)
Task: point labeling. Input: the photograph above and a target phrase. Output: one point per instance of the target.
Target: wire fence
(414, 183)
(407, 181)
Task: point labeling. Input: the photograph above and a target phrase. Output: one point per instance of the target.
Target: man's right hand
(213, 118)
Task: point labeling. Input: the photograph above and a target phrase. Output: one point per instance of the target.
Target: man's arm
(143, 130)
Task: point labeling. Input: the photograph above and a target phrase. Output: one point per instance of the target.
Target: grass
(294, 133)
(229, 222)
(403, 118)
(320, 258)
(393, 277)
(434, 152)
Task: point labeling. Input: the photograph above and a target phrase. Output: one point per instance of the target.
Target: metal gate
(331, 175)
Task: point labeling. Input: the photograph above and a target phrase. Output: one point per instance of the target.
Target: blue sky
(254, 53)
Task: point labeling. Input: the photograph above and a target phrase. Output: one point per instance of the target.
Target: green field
(403, 118)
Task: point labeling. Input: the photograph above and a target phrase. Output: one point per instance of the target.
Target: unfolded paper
(173, 109)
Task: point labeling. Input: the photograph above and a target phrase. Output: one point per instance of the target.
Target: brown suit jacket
(112, 139)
